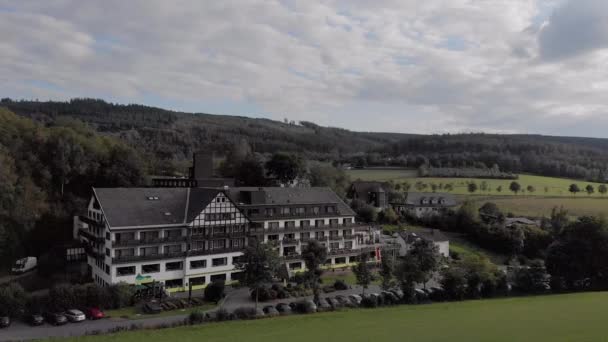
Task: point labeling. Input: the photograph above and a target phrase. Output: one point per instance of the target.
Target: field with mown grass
(572, 317)
(541, 206)
(543, 186)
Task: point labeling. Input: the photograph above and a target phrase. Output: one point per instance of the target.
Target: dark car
(152, 308)
(35, 319)
(334, 303)
(56, 318)
(323, 305)
(5, 321)
(283, 308)
(345, 301)
(270, 311)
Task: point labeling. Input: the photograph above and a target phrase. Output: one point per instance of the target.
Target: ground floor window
(197, 281)
(125, 271)
(218, 277)
(173, 266)
(341, 260)
(295, 265)
(174, 283)
(151, 268)
(219, 262)
(198, 264)
(237, 276)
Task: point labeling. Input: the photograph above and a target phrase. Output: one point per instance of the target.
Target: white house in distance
(406, 240)
(420, 204)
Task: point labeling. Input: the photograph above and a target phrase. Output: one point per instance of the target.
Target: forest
(169, 138)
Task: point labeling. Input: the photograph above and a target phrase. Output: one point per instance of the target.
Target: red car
(94, 313)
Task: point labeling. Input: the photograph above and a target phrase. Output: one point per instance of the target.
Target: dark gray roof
(433, 198)
(128, 207)
(285, 196)
(426, 234)
(521, 220)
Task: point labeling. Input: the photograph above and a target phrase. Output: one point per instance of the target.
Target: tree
(285, 167)
(602, 189)
(363, 272)
(259, 265)
(327, 175)
(558, 220)
(386, 273)
(214, 292)
(314, 255)
(472, 187)
(388, 215)
(454, 283)
(367, 213)
(530, 188)
(515, 187)
(499, 188)
(532, 278)
(590, 189)
(249, 172)
(574, 189)
(489, 212)
(12, 300)
(417, 266)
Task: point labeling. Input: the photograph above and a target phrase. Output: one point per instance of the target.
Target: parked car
(74, 315)
(398, 293)
(421, 296)
(94, 313)
(334, 303)
(306, 306)
(35, 319)
(5, 321)
(389, 297)
(152, 308)
(345, 301)
(270, 311)
(356, 298)
(283, 308)
(322, 305)
(24, 265)
(56, 318)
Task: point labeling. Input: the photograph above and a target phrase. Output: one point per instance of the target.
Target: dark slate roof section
(362, 188)
(417, 198)
(128, 207)
(199, 199)
(427, 234)
(285, 196)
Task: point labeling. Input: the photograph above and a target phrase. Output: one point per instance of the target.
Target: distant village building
(521, 221)
(420, 204)
(372, 193)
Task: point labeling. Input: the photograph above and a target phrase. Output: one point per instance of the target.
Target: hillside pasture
(542, 206)
(571, 317)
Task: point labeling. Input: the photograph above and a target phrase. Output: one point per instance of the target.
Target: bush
(223, 315)
(196, 317)
(245, 313)
(121, 295)
(340, 285)
(329, 289)
(214, 292)
(12, 299)
(369, 302)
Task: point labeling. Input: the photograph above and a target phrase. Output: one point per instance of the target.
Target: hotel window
(273, 224)
(219, 262)
(197, 281)
(270, 211)
(333, 222)
(218, 244)
(218, 277)
(126, 252)
(330, 209)
(305, 236)
(148, 251)
(334, 245)
(347, 221)
(198, 245)
(173, 233)
(238, 243)
(174, 266)
(194, 264)
(125, 271)
(315, 210)
(285, 211)
(124, 236)
(149, 236)
(219, 230)
(348, 245)
(319, 235)
(107, 251)
(172, 249)
(290, 224)
(273, 237)
(319, 223)
(347, 232)
(305, 223)
(152, 268)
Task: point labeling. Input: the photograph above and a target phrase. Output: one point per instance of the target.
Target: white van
(24, 265)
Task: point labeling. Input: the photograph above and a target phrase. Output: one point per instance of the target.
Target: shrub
(121, 295)
(245, 313)
(223, 315)
(369, 302)
(196, 317)
(12, 299)
(214, 291)
(340, 285)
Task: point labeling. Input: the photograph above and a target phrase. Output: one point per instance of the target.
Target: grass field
(543, 186)
(572, 317)
(541, 206)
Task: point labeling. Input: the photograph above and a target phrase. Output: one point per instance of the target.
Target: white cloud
(409, 65)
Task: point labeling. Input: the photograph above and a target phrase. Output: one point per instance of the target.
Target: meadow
(570, 317)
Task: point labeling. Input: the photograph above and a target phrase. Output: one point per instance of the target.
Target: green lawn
(134, 313)
(541, 206)
(573, 317)
(543, 186)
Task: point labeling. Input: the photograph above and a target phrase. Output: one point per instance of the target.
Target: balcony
(90, 251)
(133, 258)
(211, 251)
(219, 235)
(292, 256)
(348, 237)
(288, 241)
(307, 228)
(335, 238)
(150, 241)
(90, 236)
(90, 222)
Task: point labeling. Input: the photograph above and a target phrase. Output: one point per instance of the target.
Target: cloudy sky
(433, 66)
